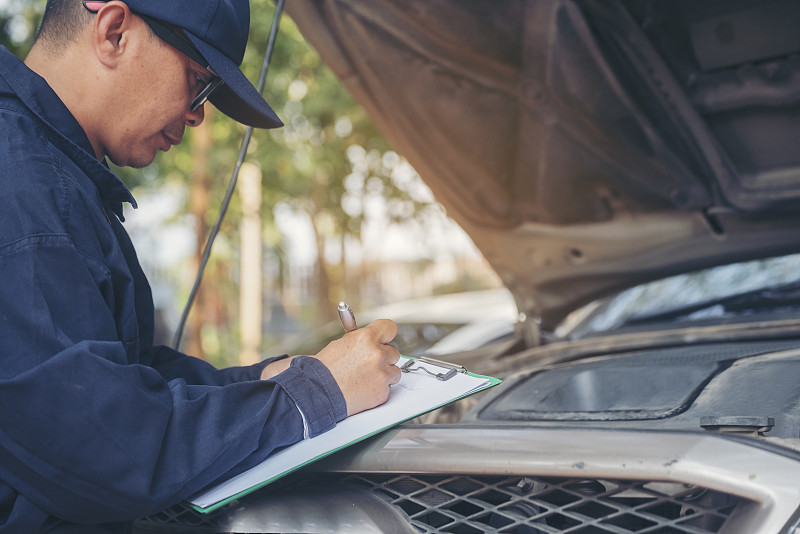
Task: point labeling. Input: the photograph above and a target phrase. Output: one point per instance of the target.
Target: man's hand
(362, 363)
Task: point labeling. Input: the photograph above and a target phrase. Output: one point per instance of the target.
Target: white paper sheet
(415, 394)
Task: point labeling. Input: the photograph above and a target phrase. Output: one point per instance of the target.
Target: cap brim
(236, 98)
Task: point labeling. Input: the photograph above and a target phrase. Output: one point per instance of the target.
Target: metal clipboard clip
(441, 370)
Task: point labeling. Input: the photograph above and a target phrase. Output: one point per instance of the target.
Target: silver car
(631, 168)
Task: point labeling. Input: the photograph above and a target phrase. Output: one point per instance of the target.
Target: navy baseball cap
(219, 30)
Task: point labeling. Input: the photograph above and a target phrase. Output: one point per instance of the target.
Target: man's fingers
(385, 329)
(390, 354)
(394, 375)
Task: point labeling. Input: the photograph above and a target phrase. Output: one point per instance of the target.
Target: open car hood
(585, 146)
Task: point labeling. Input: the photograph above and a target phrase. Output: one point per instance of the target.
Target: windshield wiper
(765, 299)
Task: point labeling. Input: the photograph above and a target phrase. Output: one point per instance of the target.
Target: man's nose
(194, 118)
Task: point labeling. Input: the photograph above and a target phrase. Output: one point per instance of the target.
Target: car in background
(631, 170)
(429, 325)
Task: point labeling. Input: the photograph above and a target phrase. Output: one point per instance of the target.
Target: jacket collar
(34, 92)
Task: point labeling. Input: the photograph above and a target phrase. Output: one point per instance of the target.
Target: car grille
(181, 519)
(523, 505)
(466, 504)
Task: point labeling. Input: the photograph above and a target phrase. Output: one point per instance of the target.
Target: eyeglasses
(174, 37)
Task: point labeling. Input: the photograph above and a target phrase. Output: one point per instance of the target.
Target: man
(97, 425)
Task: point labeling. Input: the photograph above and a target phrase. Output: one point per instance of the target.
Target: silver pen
(347, 317)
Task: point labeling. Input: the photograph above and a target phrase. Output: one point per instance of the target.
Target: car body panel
(699, 459)
(584, 146)
(764, 479)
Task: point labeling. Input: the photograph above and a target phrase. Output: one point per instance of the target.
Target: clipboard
(425, 385)
(436, 368)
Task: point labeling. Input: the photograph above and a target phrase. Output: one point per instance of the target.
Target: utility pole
(250, 291)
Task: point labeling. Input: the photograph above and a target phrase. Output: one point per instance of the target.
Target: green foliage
(19, 20)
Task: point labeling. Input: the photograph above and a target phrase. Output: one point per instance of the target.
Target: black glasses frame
(175, 38)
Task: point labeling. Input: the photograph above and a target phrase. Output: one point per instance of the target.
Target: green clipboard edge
(492, 381)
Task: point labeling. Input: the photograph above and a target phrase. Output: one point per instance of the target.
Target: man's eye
(198, 82)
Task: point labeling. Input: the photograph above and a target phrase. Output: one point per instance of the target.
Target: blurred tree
(19, 20)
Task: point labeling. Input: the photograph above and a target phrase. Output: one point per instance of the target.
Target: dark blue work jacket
(97, 425)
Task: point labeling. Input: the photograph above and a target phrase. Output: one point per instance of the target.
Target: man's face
(156, 89)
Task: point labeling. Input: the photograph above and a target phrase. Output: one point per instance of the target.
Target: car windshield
(692, 296)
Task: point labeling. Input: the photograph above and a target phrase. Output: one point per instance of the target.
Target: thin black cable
(232, 185)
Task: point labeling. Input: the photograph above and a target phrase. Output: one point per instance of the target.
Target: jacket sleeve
(174, 364)
(89, 433)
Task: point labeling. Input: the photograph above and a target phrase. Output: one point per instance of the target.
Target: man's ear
(110, 32)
